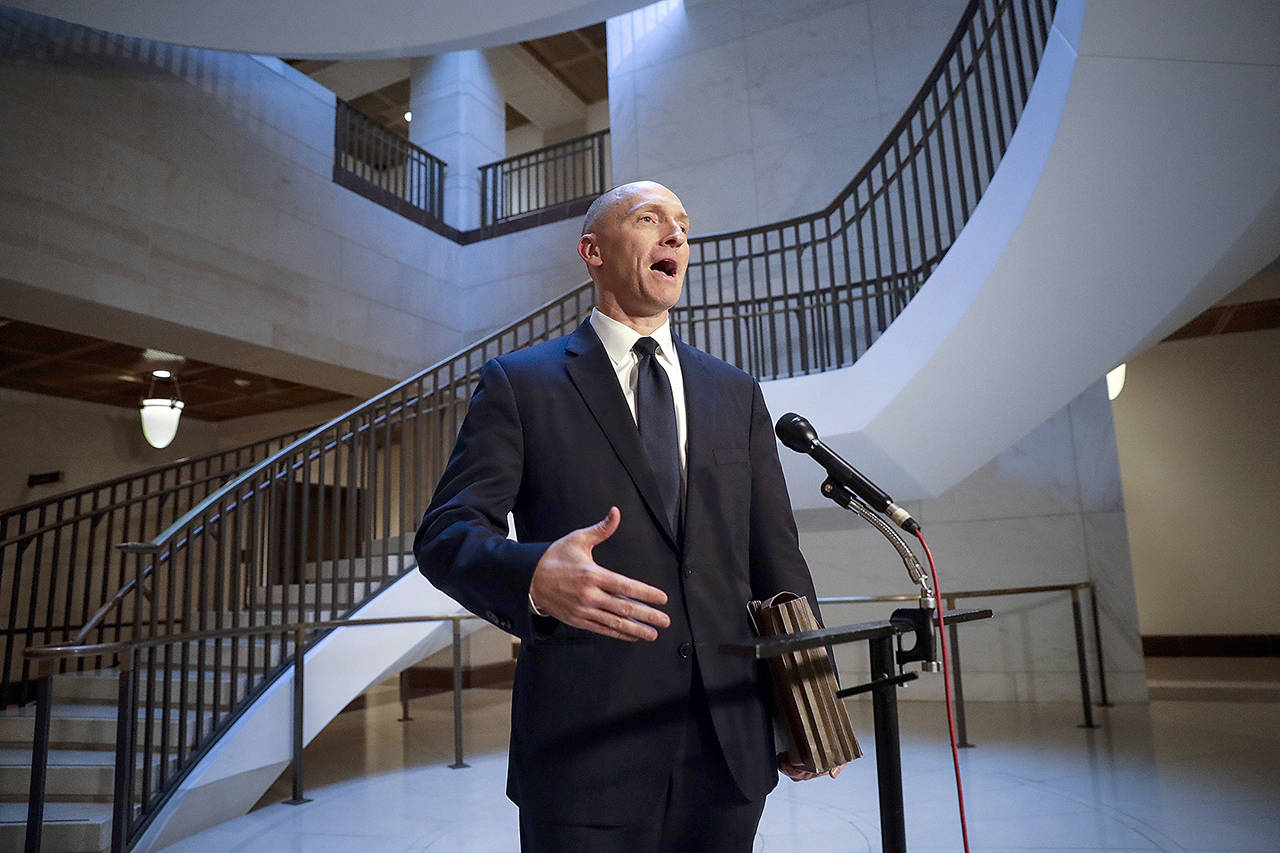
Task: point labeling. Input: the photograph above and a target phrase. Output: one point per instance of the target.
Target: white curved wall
(334, 29)
(1142, 185)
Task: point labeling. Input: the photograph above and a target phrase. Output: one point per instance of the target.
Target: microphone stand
(920, 619)
(880, 636)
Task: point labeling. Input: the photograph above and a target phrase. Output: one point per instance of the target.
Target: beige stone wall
(183, 199)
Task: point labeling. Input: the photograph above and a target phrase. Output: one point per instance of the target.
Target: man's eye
(646, 218)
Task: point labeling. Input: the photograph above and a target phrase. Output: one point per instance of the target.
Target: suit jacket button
(688, 571)
(686, 649)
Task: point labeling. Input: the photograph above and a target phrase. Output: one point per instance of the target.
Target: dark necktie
(656, 417)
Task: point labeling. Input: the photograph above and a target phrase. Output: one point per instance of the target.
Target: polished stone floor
(1174, 775)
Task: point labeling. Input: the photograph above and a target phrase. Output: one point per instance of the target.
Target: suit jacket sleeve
(462, 545)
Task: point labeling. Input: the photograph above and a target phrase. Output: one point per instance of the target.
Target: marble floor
(1173, 775)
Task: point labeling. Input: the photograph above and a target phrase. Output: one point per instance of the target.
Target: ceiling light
(408, 115)
(160, 414)
(1115, 382)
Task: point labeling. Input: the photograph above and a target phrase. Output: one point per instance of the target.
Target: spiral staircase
(1040, 212)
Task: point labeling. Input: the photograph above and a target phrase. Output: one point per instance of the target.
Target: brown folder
(804, 687)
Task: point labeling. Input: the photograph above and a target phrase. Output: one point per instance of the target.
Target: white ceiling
(334, 29)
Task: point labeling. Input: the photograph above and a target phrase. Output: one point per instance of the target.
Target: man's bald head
(611, 202)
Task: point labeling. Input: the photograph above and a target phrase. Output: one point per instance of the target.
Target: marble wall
(183, 199)
(88, 442)
(1196, 430)
(755, 111)
(1048, 510)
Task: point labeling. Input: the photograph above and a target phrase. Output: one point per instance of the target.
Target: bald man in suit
(649, 507)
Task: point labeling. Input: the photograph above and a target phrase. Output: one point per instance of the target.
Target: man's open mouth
(666, 266)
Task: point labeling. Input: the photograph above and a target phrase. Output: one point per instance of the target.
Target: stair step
(326, 592)
(72, 774)
(102, 686)
(68, 827)
(393, 564)
(279, 615)
(92, 726)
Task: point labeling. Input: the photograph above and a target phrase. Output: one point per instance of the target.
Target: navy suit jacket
(549, 437)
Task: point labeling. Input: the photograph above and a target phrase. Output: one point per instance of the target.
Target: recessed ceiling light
(408, 115)
(161, 374)
(242, 383)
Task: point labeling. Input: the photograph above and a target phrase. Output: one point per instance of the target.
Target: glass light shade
(160, 420)
(1115, 382)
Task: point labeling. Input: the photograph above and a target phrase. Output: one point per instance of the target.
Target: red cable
(946, 683)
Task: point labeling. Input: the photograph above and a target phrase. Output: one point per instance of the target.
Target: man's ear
(589, 250)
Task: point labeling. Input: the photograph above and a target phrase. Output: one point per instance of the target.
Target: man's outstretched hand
(569, 585)
(798, 774)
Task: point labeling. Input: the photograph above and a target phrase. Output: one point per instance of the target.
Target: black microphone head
(796, 432)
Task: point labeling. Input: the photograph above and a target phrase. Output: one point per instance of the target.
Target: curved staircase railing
(309, 534)
(811, 293)
(324, 523)
(58, 558)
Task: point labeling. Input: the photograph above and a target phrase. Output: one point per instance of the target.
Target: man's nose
(677, 237)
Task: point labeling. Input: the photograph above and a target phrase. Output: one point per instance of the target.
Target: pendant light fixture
(160, 414)
(1115, 382)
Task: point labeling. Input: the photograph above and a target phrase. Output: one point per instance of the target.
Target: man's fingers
(612, 625)
(617, 584)
(602, 529)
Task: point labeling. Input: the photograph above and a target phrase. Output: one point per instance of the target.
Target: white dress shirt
(618, 339)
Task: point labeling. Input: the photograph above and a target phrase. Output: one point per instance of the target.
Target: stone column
(459, 116)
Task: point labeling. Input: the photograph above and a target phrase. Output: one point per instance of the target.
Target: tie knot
(645, 347)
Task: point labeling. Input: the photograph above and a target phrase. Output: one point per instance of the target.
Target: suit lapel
(700, 421)
(593, 375)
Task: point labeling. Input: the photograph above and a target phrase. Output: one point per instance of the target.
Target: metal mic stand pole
(883, 684)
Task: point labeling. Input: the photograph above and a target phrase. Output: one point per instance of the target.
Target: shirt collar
(618, 338)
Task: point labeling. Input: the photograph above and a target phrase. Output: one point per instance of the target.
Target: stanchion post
(39, 756)
(1082, 661)
(884, 705)
(457, 695)
(404, 697)
(957, 681)
(1097, 645)
(126, 753)
(299, 656)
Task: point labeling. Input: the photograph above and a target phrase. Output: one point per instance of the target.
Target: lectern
(917, 621)
(887, 675)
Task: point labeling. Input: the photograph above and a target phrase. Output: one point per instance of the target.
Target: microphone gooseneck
(799, 435)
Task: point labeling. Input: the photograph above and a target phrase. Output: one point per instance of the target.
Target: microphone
(799, 435)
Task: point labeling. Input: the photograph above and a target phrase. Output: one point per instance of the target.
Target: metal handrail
(949, 599)
(320, 515)
(893, 222)
(51, 550)
(386, 167)
(554, 176)
(124, 772)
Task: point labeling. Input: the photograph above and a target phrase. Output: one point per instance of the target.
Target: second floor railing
(541, 181)
(387, 168)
